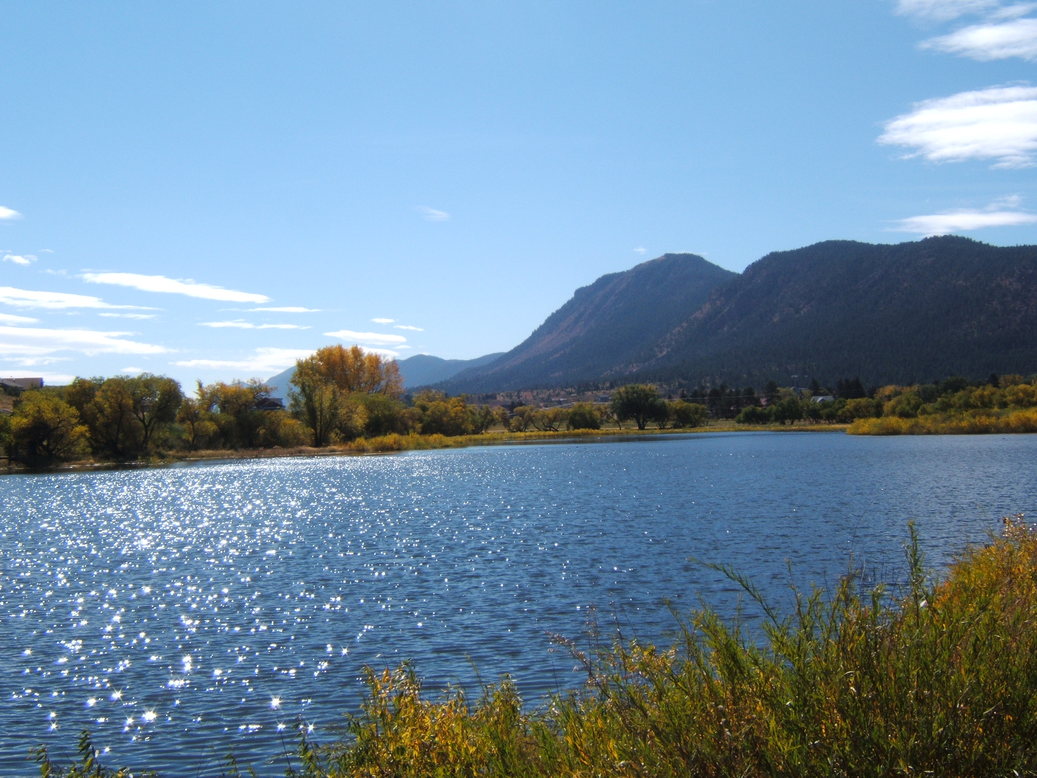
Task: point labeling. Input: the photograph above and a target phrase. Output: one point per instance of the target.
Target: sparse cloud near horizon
(1004, 212)
(990, 41)
(246, 325)
(360, 338)
(433, 214)
(943, 10)
(41, 341)
(998, 123)
(165, 285)
(19, 259)
(128, 315)
(408, 327)
(26, 298)
(262, 362)
(283, 309)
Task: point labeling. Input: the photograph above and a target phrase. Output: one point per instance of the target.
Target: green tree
(45, 430)
(549, 419)
(197, 426)
(522, 418)
(442, 415)
(584, 416)
(684, 414)
(639, 402)
(235, 409)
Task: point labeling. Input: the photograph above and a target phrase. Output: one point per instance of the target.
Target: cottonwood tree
(345, 392)
(640, 402)
(45, 429)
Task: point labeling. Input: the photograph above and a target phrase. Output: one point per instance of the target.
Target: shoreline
(394, 444)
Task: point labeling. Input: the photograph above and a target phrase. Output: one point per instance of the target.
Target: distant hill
(916, 311)
(424, 370)
(417, 371)
(609, 323)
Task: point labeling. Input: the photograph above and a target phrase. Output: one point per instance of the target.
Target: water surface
(181, 612)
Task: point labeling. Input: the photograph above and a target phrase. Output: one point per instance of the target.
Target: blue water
(180, 613)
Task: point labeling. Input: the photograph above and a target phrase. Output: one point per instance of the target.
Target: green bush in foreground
(943, 683)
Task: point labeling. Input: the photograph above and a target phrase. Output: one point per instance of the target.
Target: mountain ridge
(888, 313)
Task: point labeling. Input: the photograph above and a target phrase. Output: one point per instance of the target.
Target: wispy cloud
(164, 285)
(262, 361)
(432, 214)
(247, 325)
(25, 298)
(128, 315)
(998, 123)
(375, 338)
(943, 10)
(40, 341)
(641, 250)
(987, 42)
(19, 259)
(7, 214)
(10, 318)
(284, 309)
(408, 327)
(383, 321)
(1001, 213)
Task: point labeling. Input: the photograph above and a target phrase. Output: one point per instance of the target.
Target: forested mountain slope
(900, 313)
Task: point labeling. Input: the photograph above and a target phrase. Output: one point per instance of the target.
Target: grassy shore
(851, 683)
(977, 422)
(387, 444)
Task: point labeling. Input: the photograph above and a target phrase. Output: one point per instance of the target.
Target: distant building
(269, 404)
(19, 385)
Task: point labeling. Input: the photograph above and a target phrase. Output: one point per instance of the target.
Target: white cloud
(285, 309)
(997, 214)
(19, 259)
(25, 298)
(128, 315)
(40, 341)
(408, 327)
(383, 321)
(132, 370)
(986, 42)
(245, 325)
(376, 338)
(641, 250)
(165, 285)
(943, 10)
(8, 213)
(432, 214)
(998, 123)
(263, 361)
(10, 318)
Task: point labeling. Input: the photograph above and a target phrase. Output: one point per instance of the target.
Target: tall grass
(939, 681)
(976, 422)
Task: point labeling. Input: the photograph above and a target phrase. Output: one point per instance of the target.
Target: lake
(182, 612)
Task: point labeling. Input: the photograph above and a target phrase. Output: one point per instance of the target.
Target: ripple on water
(231, 603)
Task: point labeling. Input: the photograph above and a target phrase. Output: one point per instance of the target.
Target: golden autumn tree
(332, 387)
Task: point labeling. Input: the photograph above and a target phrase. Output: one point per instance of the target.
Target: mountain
(416, 371)
(425, 370)
(606, 324)
(916, 311)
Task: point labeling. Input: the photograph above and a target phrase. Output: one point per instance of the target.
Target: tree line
(338, 395)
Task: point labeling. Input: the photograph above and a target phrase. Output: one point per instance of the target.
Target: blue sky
(211, 190)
